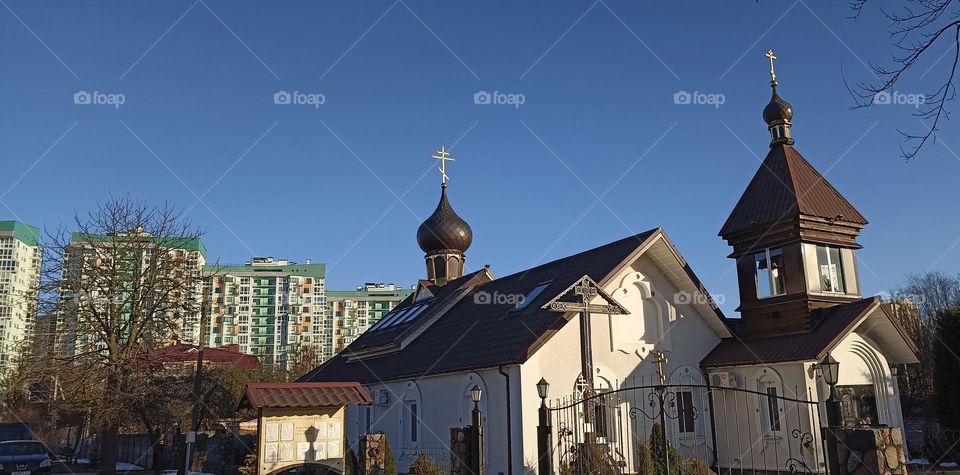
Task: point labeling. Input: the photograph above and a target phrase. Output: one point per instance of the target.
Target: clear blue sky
(399, 80)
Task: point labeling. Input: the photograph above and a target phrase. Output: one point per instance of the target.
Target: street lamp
(476, 453)
(544, 431)
(543, 388)
(475, 394)
(830, 369)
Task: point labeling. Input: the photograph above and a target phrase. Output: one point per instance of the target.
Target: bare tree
(914, 29)
(918, 305)
(126, 279)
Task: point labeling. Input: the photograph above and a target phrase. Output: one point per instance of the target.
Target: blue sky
(348, 182)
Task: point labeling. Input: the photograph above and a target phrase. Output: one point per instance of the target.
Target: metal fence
(686, 429)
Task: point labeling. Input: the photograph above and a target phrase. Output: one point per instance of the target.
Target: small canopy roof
(293, 395)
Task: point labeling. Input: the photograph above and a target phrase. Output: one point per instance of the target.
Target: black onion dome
(778, 110)
(444, 229)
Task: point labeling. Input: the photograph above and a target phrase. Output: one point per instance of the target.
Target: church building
(630, 327)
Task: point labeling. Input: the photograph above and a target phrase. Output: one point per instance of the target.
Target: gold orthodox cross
(773, 75)
(444, 156)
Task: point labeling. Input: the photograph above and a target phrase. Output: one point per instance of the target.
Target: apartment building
(271, 308)
(352, 312)
(20, 261)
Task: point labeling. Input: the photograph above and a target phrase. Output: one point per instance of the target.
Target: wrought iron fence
(686, 429)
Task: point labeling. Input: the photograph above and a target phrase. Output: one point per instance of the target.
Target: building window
(769, 273)
(686, 414)
(413, 421)
(830, 268)
(770, 410)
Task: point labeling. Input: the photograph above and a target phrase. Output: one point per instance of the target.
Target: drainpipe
(509, 423)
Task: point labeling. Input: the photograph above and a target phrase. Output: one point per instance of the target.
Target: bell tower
(794, 236)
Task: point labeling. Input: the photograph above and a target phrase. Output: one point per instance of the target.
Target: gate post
(544, 433)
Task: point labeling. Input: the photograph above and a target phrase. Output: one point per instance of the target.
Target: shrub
(644, 459)
(659, 442)
(389, 462)
(693, 466)
(249, 466)
(425, 465)
(589, 459)
(350, 465)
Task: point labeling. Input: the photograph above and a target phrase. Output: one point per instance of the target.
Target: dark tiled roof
(473, 334)
(303, 395)
(786, 186)
(831, 324)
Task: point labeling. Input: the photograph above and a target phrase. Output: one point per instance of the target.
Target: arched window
(411, 414)
(770, 402)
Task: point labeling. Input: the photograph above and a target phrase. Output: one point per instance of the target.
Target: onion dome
(778, 110)
(444, 230)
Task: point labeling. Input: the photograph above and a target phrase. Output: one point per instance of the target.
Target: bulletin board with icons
(290, 439)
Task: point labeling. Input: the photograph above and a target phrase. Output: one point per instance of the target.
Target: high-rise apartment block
(20, 260)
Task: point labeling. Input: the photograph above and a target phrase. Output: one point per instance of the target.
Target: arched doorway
(314, 468)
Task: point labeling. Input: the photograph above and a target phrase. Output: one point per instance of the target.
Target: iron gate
(686, 429)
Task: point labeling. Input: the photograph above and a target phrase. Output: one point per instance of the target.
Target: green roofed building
(20, 260)
(270, 308)
(352, 312)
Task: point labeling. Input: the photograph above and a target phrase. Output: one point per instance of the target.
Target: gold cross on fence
(444, 156)
(773, 75)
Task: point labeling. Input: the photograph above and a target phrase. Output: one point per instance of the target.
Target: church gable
(491, 323)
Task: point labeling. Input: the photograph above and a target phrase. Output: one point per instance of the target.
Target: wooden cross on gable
(582, 292)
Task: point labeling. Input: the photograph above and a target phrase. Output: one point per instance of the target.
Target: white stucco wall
(443, 402)
(747, 444)
(621, 355)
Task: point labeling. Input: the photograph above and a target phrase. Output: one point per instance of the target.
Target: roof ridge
(646, 234)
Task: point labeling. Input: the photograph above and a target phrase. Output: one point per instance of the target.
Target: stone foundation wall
(870, 451)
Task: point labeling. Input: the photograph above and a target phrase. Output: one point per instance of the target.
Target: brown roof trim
(296, 395)
(849, 328)
(885, 307)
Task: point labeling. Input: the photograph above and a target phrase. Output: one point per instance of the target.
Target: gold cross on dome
(773, 75)
(444, 156)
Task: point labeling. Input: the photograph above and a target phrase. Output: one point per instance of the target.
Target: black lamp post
(475, 394)
(830, 369)
(544, 431)
(476, 458)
